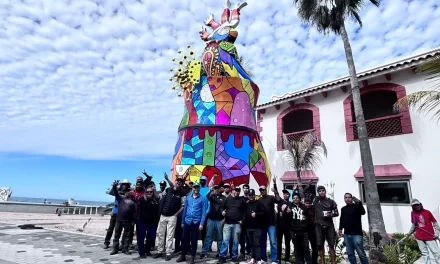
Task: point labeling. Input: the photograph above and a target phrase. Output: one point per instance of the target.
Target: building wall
(416, 151)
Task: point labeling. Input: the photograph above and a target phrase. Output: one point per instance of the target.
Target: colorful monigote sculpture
(218, 133)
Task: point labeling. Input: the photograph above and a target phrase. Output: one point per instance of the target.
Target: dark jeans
(254, 236)
(283, 232)
(142, 229)
(352, 243)
(190, 233)
(271, 230)
(301, 244)
(131, 235)
(126, 225)
(312, 239)
(178, 234)
(110, 229)
(244, 242)
(204, 232)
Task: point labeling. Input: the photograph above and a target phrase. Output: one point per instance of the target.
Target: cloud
(88, 79)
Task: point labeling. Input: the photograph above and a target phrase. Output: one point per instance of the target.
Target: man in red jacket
(424, 223)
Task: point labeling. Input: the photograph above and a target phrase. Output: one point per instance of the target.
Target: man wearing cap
(427, 231)
(254, 213)
(325, 210)
(171, 207)
(283, 219)
(123, 188)
(245, 249)
(351, 224)
(269, 202)
(234, 211)
(297, 228)
(193, 219)
(227, 189)
(215, 217)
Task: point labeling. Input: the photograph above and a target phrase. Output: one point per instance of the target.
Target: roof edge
(390, 67)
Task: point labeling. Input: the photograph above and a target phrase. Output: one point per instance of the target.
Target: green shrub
(410, 242)
(405, 256)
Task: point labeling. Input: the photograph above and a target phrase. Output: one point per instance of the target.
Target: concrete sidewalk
(38, 246)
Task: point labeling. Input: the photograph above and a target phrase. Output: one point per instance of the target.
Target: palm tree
(303, 154)
(425, 101)
(330, 16)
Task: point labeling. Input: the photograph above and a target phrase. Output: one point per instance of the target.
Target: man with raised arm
(269, 202)
(171, 206)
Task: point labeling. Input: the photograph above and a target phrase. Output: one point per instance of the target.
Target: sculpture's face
(220, 33)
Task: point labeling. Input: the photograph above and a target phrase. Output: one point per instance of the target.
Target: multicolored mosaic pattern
(218, 132)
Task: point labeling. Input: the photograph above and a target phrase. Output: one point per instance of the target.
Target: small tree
(303, 154)
(425, 101)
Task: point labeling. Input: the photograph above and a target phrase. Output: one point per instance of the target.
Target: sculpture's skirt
(218, 133)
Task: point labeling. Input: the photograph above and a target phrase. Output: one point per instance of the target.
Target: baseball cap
(216, 186)
(162, 183)
(251, 192)
(246, 186)
(179, 179)
(203, 178)
(262, 187)
(226, 185)
(196, 185)
(285, 191)
(237, 188)
(414, 202)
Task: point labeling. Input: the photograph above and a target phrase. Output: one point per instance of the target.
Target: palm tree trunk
(375, 217)
(300, 188)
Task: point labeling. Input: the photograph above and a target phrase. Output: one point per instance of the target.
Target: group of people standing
(221, 212)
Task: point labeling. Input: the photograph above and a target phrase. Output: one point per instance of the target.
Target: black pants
(190, 237)
(244, 242)
(131, 235)
(311, 232)
(178, 235)
(283, 232)
(110, 229)
(301, 243)
(126, 225)
(254, 243)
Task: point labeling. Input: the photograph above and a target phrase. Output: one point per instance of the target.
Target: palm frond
(247, 66)
(329, 15)
(304, 154)
(430, 68)
(422, 102)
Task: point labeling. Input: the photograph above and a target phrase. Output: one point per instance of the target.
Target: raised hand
(274, 179)
(253, 214)
(116, 183)
(165, 175)
(215, 176)
(295, 187)
(145, 173)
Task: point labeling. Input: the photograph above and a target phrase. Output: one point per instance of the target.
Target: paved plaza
(37, 246)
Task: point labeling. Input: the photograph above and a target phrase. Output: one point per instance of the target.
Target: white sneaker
(252, 261)
(261, 262)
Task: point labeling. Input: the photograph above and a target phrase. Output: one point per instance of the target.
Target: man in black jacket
(283, 220)
(298, 231)
(215, 218)
(351, 223)
(325, 210)
(171, 206)
(254, 213)
(245, 249)
(124, 219)
(234, 211)
(269, 202)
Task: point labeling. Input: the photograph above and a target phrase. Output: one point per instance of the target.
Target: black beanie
(321, 188)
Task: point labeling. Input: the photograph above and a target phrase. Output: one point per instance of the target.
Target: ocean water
(55, 201)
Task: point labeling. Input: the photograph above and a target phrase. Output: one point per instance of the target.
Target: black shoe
(203, 256)
(114, 252)
(221, 260)
(192, 260)
(144, 256)
(168, 258)
(236, 260)
(181, 258)
(158, 255)
(148, 254)
(127, 252)
(217, 256)
(105, 246)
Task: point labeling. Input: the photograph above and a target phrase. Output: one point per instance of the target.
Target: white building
(404, 145)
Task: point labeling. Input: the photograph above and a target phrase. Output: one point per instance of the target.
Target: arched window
(380, 116)
(296, 121)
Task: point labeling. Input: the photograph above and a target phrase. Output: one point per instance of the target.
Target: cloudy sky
(84, 90)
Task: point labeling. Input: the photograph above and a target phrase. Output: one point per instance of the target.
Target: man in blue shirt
(193, 219)
(204, 190)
